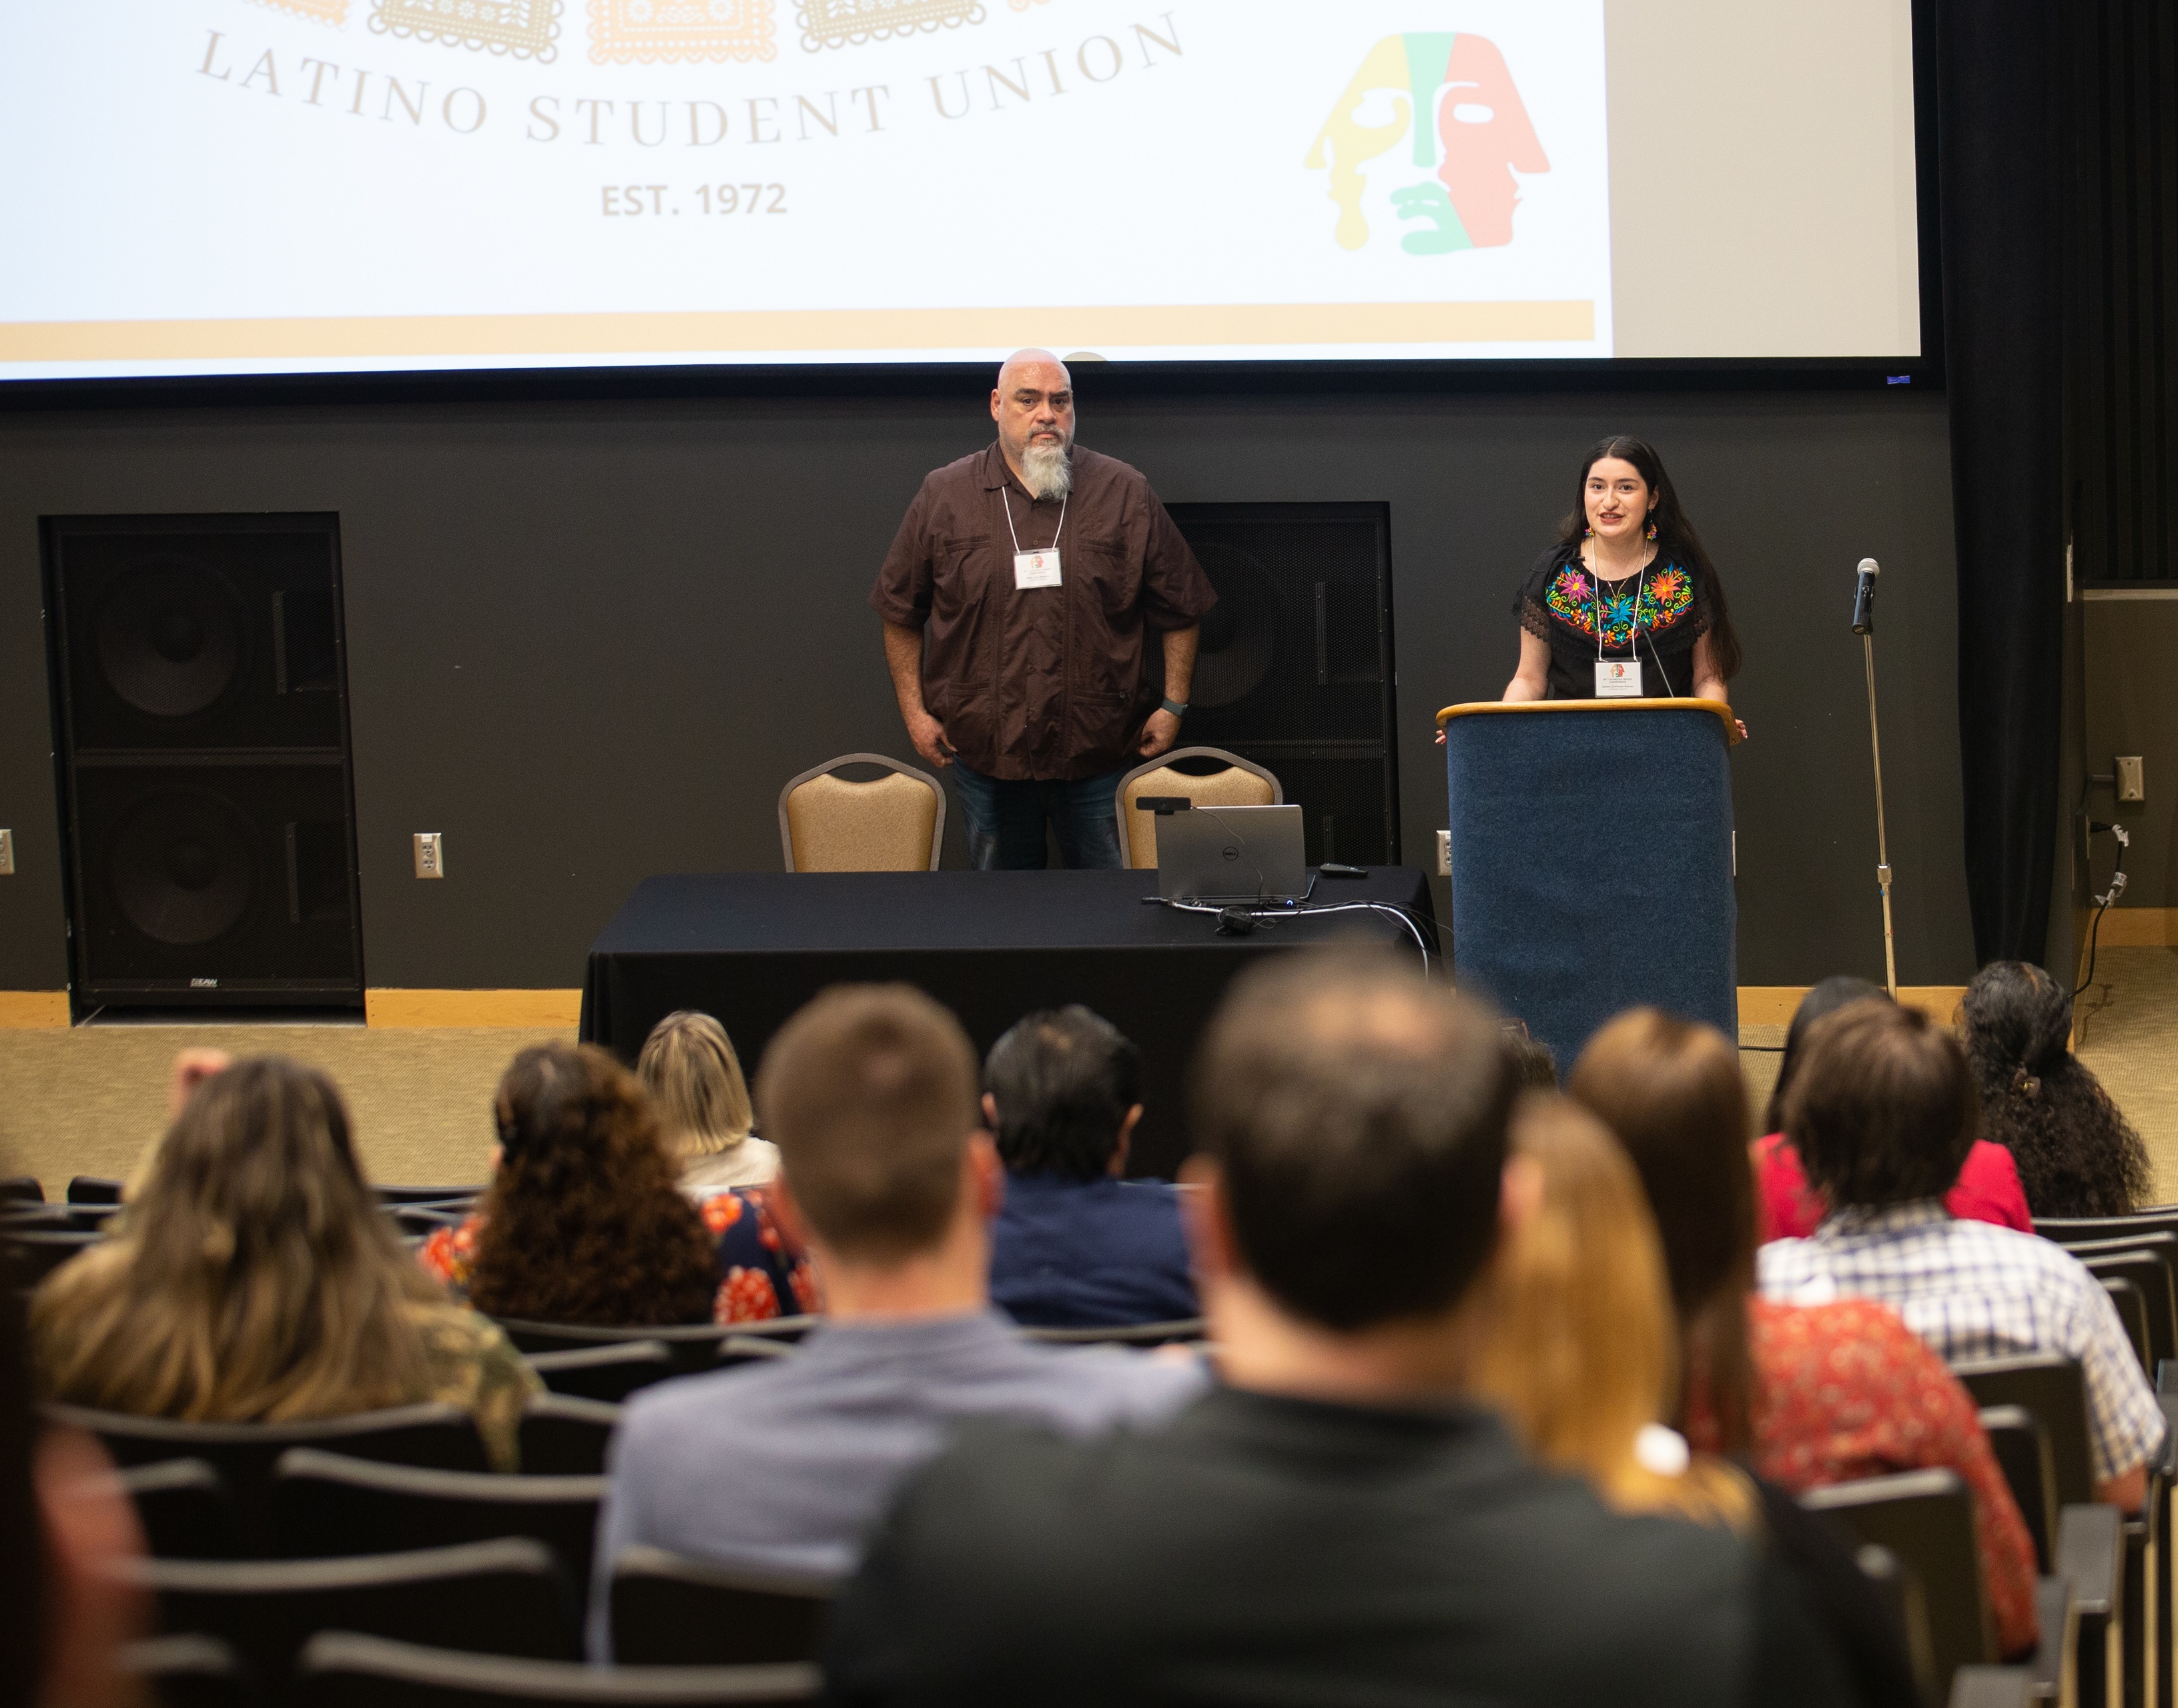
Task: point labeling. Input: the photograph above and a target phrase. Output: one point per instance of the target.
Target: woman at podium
(1627, 603)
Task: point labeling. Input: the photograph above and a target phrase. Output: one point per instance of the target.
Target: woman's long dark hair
(2078, 1156)
(1675, 537)
(584, 1223)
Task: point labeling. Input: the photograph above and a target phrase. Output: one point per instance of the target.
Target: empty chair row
(347, 1669)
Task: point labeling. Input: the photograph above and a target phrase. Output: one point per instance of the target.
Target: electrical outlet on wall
(1444, 853)
(2131, 779)
(431, 855)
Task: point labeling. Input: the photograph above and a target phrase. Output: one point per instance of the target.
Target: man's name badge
(1037, 568)
(1617, 679)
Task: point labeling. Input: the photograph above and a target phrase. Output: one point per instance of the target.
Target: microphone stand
(1863, 625)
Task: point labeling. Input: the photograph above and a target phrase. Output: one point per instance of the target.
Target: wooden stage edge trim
(472, 1008)
(1773, 1005)
(23, 1009)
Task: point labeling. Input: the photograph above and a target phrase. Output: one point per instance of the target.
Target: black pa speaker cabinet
(1295, 670)
(200, 700)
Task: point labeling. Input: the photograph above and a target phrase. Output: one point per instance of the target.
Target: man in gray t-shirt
(870, 1094)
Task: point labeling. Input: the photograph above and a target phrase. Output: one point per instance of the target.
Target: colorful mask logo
(1455, 94)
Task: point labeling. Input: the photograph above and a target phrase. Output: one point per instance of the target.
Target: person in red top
(1988, 1189)
(1805, 1394)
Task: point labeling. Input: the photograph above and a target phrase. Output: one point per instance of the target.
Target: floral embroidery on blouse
(1666, 596)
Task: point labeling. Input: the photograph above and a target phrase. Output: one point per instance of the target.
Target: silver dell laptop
(1231, 854)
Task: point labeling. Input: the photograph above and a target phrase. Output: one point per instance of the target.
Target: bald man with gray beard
(1018, 601)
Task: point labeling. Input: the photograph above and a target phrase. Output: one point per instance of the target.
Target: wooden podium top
(1478, 708)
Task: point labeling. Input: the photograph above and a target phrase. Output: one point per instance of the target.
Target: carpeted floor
(85, 1101)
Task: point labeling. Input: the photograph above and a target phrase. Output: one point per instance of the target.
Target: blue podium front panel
(1591, 865)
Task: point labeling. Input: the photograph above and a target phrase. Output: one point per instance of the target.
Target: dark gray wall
(588, 641)
(2129, 645)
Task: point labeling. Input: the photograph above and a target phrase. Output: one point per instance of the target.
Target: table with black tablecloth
(752, 947)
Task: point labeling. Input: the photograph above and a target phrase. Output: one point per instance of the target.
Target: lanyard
(1006, 498)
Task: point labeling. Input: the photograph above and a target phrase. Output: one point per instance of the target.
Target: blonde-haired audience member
(695, 1081)
(1583, 1353)
(254, 1279)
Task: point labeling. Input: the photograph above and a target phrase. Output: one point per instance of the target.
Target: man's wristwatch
(1177, 707)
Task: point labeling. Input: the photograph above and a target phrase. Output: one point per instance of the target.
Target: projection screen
(202, 187)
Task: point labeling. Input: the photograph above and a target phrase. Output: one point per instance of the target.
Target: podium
(1592, 862)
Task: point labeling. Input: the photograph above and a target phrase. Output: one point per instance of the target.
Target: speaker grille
(1295, 669)
(204, 735)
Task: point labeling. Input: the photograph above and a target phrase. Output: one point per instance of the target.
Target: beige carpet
(85, 1101)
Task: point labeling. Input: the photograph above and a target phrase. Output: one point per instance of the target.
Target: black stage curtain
(1999, 152)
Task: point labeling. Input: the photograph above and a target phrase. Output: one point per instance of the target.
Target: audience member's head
(870, 1093)
(2076, 1155)
(1671, 1090)
(1356, 1117)
(1826, 998)
(253, 1275)
(1582, 1350)
(1883, 1110)
(1063, 1091)
(694, 1079)
(1533, 1064)
(582, 1222)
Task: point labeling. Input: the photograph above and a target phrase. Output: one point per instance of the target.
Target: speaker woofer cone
(1240, 635)
(183, 868)
(170, 636)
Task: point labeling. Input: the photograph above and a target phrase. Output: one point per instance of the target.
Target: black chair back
(2131, 1306)
(1184, 1332)
(1994, 1687)
(2049, 1387)
(563, 1436)
(2079, 1230)
(341, 1670)
(21, 1189)
(505, 1597)
(1901, 1592)
(2152, 1265)
(424, 1220)
(610, 1373)
(188, 1673)
(1925, 1518)
(184, 1508)
(93, 1189)
(671, 1612)
(34, 1253)
(789, 1329)
(752, 1349)
(440, 1437)
(325, 1503)
(2021, 1447)
(692, 1346)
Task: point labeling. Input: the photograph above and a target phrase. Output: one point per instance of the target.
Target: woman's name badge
(1616, 679)
(1037, 568)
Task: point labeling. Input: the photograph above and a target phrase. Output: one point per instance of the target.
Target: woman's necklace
(1592, 557)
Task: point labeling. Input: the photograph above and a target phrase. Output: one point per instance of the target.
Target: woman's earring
(1652, 530)
(1588, 534)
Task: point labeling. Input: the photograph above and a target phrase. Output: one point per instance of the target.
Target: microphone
(1863, 597)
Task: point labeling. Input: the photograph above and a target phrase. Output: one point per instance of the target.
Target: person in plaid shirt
(1883, 1114)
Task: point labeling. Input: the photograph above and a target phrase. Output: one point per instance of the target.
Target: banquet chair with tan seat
(1239, 783)
(895, 823)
